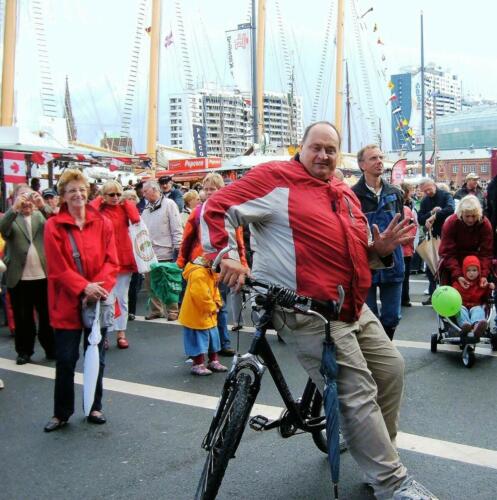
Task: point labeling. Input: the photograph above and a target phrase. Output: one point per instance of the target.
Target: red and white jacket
(310, 235)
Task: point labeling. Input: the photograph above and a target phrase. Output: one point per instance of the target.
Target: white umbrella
(92, 363)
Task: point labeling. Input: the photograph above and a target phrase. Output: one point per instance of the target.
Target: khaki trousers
(155, 304)
(370, 385)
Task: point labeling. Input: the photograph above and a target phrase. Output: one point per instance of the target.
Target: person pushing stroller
(474, 293)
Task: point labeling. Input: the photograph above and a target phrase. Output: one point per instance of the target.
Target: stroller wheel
(468, 356)
(493, 341)
(434, 342)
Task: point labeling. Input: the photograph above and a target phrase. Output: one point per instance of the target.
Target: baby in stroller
(475, 294)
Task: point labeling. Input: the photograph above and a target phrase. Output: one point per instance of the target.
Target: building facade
(443, 95)
(216, 122)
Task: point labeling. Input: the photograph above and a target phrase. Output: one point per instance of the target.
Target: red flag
(42, 158)
(14, 167)
(115, 164)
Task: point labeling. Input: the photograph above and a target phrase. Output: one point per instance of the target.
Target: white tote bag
(142, 247)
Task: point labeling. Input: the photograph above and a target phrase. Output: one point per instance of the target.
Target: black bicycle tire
(319, 437)
(240, 404)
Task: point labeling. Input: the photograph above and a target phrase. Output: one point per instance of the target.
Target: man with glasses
(380, 202)
(163, 221)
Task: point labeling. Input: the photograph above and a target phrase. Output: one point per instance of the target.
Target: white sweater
(165, 228)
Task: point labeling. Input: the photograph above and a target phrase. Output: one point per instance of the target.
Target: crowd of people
(68, 248)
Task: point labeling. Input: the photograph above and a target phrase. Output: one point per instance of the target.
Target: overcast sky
(91, 40)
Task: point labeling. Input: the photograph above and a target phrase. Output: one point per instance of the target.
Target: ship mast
(261, 33)
(153, 82)
(339, 67)
(8, 66)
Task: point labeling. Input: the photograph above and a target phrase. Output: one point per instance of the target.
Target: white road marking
(420, 444)
(484, 350)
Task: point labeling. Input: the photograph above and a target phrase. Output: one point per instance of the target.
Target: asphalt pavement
(158, 414)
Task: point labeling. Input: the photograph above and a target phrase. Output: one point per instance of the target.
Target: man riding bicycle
(312, 236)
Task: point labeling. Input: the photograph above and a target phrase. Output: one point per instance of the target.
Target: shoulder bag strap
(75, 252)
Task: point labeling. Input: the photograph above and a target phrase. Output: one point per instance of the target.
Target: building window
(484, 169)
(465, 169)
(455, 168)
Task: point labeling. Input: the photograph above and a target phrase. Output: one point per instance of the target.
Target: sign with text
(189, 164)
(239, 56)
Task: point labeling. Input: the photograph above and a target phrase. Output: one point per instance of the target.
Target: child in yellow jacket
(198, 315)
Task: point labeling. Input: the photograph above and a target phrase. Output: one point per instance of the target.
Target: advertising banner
(239, 56)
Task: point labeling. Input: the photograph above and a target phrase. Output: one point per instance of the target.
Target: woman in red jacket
(121, 213)
(467, 232)
(94, 239)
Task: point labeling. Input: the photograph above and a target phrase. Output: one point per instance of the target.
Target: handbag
(142, 247)
(428, 251)
(89, 309)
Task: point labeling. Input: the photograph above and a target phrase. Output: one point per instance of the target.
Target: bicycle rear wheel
(226, 437)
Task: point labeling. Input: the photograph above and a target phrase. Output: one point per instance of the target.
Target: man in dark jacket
(471, 186)
(169, 191)
(491, 208)
(435, 207)
(380, 201)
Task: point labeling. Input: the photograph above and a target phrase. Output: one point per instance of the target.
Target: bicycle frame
(261, 350)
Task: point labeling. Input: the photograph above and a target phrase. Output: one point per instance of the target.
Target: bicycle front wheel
(226, 437)
(319, 437)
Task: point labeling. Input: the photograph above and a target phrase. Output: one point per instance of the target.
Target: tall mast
(153, 82)
(8, 66)
(339, 67)
(347, 87)
(261, 33)
(255, 100)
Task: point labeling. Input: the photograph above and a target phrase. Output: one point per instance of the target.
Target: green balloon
(447, 301)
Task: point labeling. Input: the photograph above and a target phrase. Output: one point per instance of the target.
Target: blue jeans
(67, 354)
(390, 297)
(222, 319)
(470, 316)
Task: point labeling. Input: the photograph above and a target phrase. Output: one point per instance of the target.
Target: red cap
(470, 260)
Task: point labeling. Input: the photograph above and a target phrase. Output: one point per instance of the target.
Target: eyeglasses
(113, 194)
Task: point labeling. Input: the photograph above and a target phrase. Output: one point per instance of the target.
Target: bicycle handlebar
(288, 298)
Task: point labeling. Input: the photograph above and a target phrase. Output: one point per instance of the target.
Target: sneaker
(426, 292)
(412, 490)
(216, 366)
(427, 302)
(200, 370)
(172, 317)
(480, 328)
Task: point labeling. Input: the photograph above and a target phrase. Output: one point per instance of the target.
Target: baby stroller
(449, 331)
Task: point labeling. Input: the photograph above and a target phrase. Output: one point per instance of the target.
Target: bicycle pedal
(259, 422)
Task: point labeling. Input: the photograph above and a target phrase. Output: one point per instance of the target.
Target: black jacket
(441, 199)
(369, 201)
(464, 191)
(380, 210)
(491, 208)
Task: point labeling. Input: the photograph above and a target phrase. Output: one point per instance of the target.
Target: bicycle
(243, 382)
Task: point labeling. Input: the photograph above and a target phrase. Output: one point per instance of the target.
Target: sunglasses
(113, 194)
